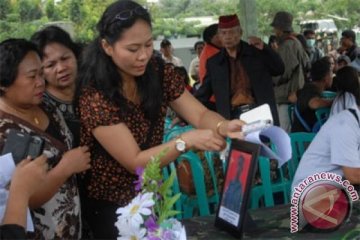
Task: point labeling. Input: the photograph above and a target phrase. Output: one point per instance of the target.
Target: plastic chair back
(200, 201)
(299, 143)
(322, 114)
(328, 95)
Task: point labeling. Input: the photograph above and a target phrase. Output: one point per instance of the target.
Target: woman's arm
(352, 174)
(73, 161)
(119, 142)
(28, 177)
(318, 102)
(190, 109)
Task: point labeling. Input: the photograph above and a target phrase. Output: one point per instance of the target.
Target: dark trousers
(101, 217)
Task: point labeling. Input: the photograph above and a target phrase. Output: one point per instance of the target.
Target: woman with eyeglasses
(123, 94)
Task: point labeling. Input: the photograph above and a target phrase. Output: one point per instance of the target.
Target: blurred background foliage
(21, 18)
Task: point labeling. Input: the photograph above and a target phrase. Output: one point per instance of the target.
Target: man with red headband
(240, 75)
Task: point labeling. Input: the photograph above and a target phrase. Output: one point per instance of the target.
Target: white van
(319, 26)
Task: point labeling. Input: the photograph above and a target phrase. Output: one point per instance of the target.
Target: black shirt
(304, 95)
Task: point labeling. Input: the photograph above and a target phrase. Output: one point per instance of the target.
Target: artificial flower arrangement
(150, 214)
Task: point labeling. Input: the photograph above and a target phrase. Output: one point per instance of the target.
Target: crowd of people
(101, 110)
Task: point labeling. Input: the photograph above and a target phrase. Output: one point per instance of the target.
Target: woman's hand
(76, 160)
(232, 129)
(203, 139)
(29, 176)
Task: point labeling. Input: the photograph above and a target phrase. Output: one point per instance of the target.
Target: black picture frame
(241, 167)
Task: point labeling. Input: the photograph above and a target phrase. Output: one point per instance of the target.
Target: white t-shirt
(337, 144)
(342, 102)
(194, 67)
(174, 60)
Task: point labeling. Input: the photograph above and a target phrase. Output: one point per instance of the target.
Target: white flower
(132, 213)
(123, 226)
(133, 234)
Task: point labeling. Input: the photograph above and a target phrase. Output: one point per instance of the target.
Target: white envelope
(261, 112)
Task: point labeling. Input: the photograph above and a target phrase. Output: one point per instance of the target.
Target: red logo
(325, 206)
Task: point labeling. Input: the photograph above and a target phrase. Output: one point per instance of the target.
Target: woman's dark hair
(98, 70)
(183, 72)
(12, 52)
(348, 81)
(320, 69)
(54, 34)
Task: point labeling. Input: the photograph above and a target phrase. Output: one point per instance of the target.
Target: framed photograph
(240, 172)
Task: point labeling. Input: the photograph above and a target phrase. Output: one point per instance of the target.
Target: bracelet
(218, 125)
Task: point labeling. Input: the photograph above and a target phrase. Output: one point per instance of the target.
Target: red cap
(229, 21)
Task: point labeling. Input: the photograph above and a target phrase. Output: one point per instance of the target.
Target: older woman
(56, 205)
(59, 58)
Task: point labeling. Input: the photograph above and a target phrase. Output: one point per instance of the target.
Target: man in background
(212, 46)
(296, 59)
(313, 51)
(194, 65)
(348, 44)
(240, 74)
(166, 50)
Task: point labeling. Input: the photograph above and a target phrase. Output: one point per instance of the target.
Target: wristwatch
(180, 145)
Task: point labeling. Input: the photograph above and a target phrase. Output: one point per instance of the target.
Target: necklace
(36, 121)
(19, 113)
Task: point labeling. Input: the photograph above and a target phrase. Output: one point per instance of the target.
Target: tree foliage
(4, 8)
(20, 18)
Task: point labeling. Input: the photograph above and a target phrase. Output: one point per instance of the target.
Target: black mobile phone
(36, 147)
(21, 145)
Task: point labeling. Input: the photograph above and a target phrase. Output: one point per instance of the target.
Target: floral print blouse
(107, 179)
(59, 218)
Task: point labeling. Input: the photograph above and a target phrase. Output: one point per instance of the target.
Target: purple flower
(153, 237)
(168, 234)
(151, 224)
(138, 183)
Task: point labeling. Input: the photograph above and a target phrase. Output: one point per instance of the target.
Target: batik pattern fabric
(58, 218)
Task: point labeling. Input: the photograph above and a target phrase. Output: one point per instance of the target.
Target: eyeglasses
(127, 14)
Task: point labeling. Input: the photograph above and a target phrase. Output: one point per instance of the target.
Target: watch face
(180, 145)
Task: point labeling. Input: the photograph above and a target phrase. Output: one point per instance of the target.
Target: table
(272, 223)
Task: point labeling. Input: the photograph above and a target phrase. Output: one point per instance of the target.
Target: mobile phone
(21, 145)
(256, 126)
(36, 147)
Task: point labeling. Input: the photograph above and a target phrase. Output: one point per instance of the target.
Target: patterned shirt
(58, 218)
(108, 179)
(67, 110)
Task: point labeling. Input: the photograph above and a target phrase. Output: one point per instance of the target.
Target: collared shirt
(240, 84)
(337, 144)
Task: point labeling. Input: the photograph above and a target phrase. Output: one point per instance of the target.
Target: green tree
(29, 10)
(75, 11)
(51, 11)
(4, 8)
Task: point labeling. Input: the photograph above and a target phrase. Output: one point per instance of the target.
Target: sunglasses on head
(129, 13)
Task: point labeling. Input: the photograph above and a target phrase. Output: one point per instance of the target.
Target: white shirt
(174, 60)
(342, 102)
(337, 144)
(194, 67)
